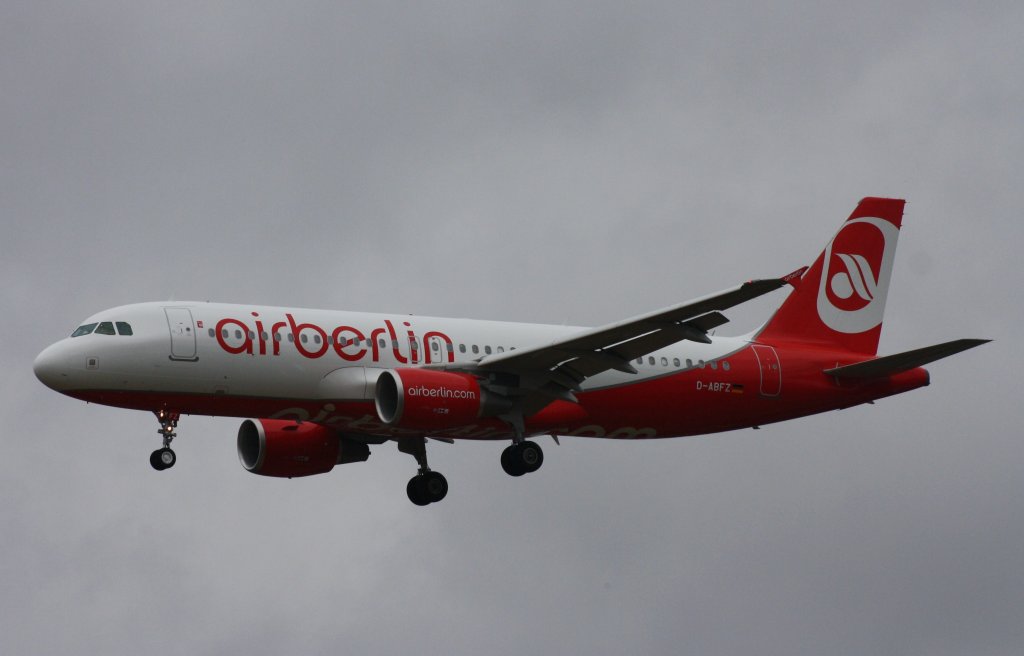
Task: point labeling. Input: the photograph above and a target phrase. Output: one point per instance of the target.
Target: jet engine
(433, 400)
(277, 447)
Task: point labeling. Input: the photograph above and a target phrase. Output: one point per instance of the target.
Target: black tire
(154, 461)
(531, 456)
(435, 486)
(416, 491)
(162, 459)
(167, 457)
(510, 461)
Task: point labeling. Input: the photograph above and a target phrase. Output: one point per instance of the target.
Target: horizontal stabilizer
(894, 364)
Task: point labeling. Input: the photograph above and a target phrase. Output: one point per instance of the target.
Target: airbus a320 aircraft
(325, 385)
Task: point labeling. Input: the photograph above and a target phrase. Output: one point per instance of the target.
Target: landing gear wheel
(416, 492)
(510, 462)
(531, 456)
(435, 486)
(522, 458)
(162, 459)
(429, 487)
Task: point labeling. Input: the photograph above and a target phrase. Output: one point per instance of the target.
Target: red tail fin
(839, 302)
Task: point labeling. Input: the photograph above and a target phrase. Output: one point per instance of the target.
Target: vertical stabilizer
(840, 300)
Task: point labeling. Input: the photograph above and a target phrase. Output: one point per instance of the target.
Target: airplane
(317, 388)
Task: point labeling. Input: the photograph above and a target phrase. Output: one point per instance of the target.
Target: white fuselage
(289, 353)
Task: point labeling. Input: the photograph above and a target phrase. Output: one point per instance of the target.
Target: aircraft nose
(50, 368)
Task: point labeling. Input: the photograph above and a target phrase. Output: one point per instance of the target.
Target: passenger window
(291, 337)
(487, 350)
(381, 343)
(304, 337)
(476, 349)
(123, 328)
(252, 335)
(277, 337)
(639, 360)
(105, 328)
(689, 363)
(664, 362)
(725, 365)
(675, 362)
(462, 348)
(212, 334)
(84, 330)
(650, 360)
(700, 363)
(238, 334)
(714, 365)
(433, 346)
(263, 336)
(316, 338)
(501, 349)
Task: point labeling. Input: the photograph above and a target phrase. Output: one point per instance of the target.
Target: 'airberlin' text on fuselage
(440, 393)
(348, 342)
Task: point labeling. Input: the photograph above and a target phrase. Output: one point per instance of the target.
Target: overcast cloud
(549, 162)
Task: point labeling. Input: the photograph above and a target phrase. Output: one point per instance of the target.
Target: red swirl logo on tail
(856, 281)
(858, 264)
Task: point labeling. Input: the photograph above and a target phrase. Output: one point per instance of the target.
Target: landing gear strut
(165, 458)
(427, 486)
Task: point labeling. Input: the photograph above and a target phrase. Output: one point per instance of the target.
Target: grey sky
(550, 162)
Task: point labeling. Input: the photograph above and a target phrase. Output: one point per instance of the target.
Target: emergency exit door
(771, 371)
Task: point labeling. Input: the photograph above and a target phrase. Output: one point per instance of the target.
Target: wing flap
(899, 362)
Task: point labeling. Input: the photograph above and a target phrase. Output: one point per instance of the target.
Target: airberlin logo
(855, 275)
(857, 279)
(350, 343)
(440, 392)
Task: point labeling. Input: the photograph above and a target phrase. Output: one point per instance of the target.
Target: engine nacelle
(277, 447)
(432, 400)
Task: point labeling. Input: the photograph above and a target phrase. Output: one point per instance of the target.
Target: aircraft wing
(568, 362)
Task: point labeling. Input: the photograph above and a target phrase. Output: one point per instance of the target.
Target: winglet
(793, 279)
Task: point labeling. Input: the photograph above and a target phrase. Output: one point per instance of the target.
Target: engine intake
(277, 447)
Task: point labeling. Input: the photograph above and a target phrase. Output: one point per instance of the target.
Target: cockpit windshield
(84, 330)
(104, 328)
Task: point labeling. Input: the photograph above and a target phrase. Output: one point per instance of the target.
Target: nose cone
(51, 367)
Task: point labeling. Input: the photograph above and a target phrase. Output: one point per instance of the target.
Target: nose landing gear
(165, 458)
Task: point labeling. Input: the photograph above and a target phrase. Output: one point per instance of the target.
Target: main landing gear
(522, 458)
(164, 458)
(427, 486)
